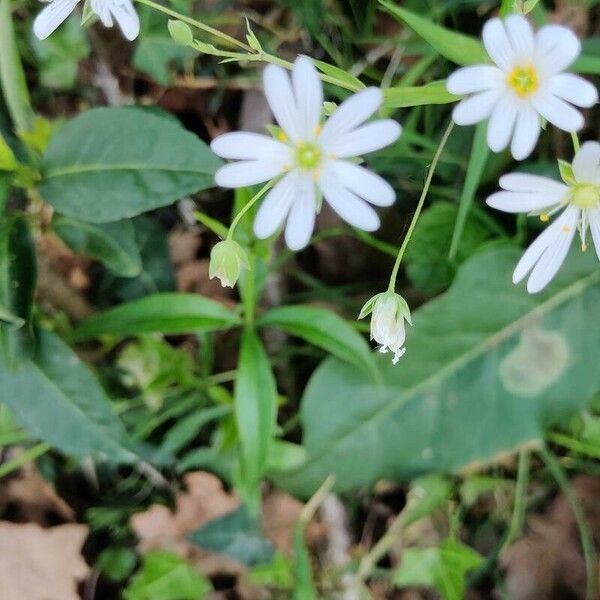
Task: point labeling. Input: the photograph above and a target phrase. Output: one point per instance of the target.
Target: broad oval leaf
(56, 397)
(111, 163)
(324, 329)
(487, 368)
(457, 47)
(112, 244)
(162, 313)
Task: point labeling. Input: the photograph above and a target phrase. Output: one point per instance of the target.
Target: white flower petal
(351, 113)
(308, 92)
(242, 145)
(527, 132)
(525, 182)
(502, 122)
(364, 183)
(346, 204)
(521, 36)
(476, 78)
(278, 90)
(368, 138)
(553, 257)
(556, 47)
(594, 219)
(247, 172)
(301, 220)
(126, 17)
(521, 202)
(557, 111)
(276, 206)
(573, 89)
(101, 9)
(586, 164)
(497, 44)
(548, 237)
(52, 16)
(475, 108)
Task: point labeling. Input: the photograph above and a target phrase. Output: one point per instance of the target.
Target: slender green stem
(247, 207)
(249, 292)
(520, 505)
(197, 24)
(23, 458)
(587, 541)
(575, 139)
(310, 508)
(434, 162)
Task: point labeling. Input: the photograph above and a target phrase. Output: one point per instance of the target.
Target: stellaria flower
(57, 11)
(525, 82)
(578, 199)
(389, 311)
(309, 157)
(227, 259)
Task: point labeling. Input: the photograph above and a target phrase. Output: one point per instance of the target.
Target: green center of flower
(523, 80)
(585, 195)
(308, 156)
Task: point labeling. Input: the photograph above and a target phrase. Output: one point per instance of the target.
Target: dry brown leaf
(31, 498)
(280, 513)
(547, 563)
(41, 564)
(183, 245)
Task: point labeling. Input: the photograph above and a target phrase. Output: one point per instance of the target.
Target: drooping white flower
(579, 200)
(525, 82)
(57, 11)
(309, 157)
(227, 259)
(389, 311)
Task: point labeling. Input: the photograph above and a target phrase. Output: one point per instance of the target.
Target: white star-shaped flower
(57, 11)
(525, 82)
(308, 158)
(579, 201)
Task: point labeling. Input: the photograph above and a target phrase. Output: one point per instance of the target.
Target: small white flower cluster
(310, 160)
(525, 84)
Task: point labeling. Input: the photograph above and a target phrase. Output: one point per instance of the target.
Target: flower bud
(387, 322)
(227, 258)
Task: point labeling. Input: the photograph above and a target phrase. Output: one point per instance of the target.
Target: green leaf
(18, 276)
(156, 52)
(433, 93)
(8, 162)
(477, 162)
(255, 408)
(351, 82)
(116, 563)
(428, 265)
(166, 576)
(113, 244)
(157, 274)
(566, 172)
(457, 47)
(487, 368)
(12, 76)
(132, 161)
(325, 329)
(161, 313)
(443, 568)
(235, 534)
(58, 56)
(181, 32)
(56, 397)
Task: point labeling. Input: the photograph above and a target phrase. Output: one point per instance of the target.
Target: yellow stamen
(286, 167)
(584, 247)
(317, 130)
(282, 137)
(544, 217)
(523, 80)
(566, 228)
